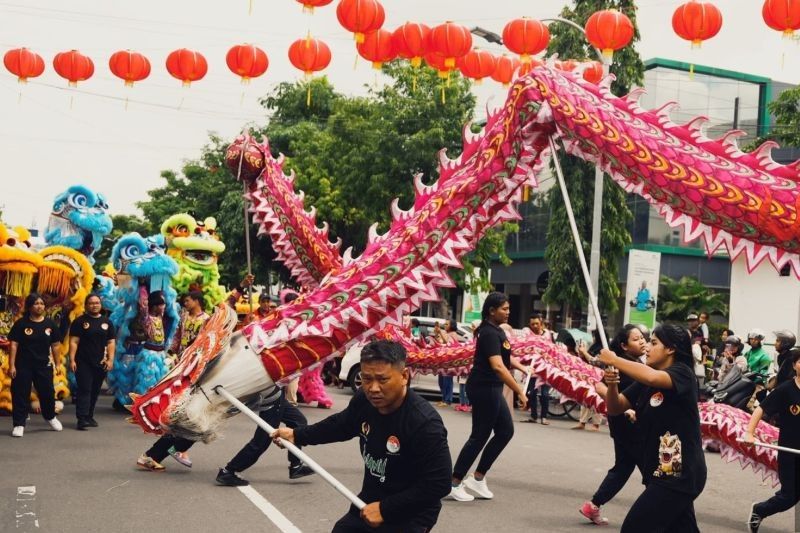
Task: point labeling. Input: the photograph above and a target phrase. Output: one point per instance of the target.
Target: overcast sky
(52, 137)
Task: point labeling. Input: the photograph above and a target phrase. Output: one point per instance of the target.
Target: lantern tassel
(71, 99)
(308, 96)
(355, 63)
(241, 100)
(444, 101)
(19, 98)
(691, 71)
(414, 83)
(126, 103)
(250, 7)
(180, 104)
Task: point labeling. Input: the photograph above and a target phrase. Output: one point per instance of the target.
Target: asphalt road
(87, 482)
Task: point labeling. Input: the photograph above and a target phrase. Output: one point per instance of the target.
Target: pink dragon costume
(743, 201)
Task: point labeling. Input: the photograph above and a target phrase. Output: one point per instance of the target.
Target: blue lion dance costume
(79, 220)
(141, 359)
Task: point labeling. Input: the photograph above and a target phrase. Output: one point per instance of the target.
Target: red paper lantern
(593, 72)
(437, 62)
(309, 5)
(451, 41)
(23, 63)
(526, 68)
(504, 70)
(782, 15)
(360, 16)
(247, 61)
(309, 55)
(378, 48)
(477, 64)
(187, 66)
(526, 37)
(73, 67)
(696, 21)
(129, 66)
(410, 41)
(567, 66)
(609, 30)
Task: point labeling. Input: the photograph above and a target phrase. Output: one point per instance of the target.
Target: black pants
(624, 465)
(89, 379)
(543, 394)
(489, 413)
(661, 510)
(280, 411)
(160, 449)
(41, 376)
(788, 495)
(352, 523)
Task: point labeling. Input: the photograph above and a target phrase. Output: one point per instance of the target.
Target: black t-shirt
(407, 464)
(34, 340)
(618, 425)
(784, 401)
(491, 341)
(93, 334)
(669, 425)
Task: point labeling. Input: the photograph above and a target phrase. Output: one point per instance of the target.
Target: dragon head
(191, 241)
(18, 262)
(79, 220)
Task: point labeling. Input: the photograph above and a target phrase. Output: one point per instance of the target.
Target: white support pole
(297, 452)
(246, 220)
(597, 221)
(578, 246)
(771, 446)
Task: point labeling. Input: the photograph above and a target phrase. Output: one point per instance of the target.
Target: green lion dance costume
(195, 246)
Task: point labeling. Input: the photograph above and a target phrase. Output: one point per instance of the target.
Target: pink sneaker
(592, 512)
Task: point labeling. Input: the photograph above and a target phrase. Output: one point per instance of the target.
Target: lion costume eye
(129, 252)
(101, 202)
(180, 230)
(78, 200)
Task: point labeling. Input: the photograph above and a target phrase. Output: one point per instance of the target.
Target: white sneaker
(459, 494)
(478, 487)
(55, 424)
(17, 431)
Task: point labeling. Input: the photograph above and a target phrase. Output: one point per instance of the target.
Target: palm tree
(678, 298)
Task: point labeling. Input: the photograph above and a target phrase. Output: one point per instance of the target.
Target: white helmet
(755, 333)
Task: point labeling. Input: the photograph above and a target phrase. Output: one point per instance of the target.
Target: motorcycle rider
(758, 360)
(732, 356)
(784, 341)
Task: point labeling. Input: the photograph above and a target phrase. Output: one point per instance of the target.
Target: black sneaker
(754, 522)
(82, 425)
(300, 470)
(230, 479)
(92, 423)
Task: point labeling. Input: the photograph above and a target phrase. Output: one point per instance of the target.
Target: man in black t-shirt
(783, 402)
(403, 446)
(91, 352)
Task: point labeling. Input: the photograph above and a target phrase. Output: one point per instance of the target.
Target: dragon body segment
(142, 268)
(195, 247)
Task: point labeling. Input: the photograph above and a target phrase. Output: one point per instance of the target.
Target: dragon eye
(78, 200)
(130, 251)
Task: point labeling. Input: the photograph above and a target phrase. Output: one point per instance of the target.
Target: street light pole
(597, 208)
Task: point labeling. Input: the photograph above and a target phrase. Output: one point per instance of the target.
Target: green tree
(566, 280)
(786, 130)
(122, 224)
(678, 298)
(352, 157)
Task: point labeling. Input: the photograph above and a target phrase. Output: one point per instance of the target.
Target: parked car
(351, 362)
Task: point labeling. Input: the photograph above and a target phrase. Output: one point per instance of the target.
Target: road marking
(269, 510)
(25, 512)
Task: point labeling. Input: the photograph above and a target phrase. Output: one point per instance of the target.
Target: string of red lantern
(411, 42)
(782, 15)
(129, 66)
(23, 63)
(504, 70)
(696, 21)
(73, 67)
(378, 48)
(247, 61)
(360, 17)
(477, 64)
(309, 5)
(450, 41)
(187, 66)
(609, 30)
(309, 55)
(526, 37)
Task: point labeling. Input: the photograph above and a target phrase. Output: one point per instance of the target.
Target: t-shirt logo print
(28, 331)
(656, 399)
(85, 325)
(506, 345)
(393, 444)
(364, 428)
(794, 409)
(103, 326)
(669, 456)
